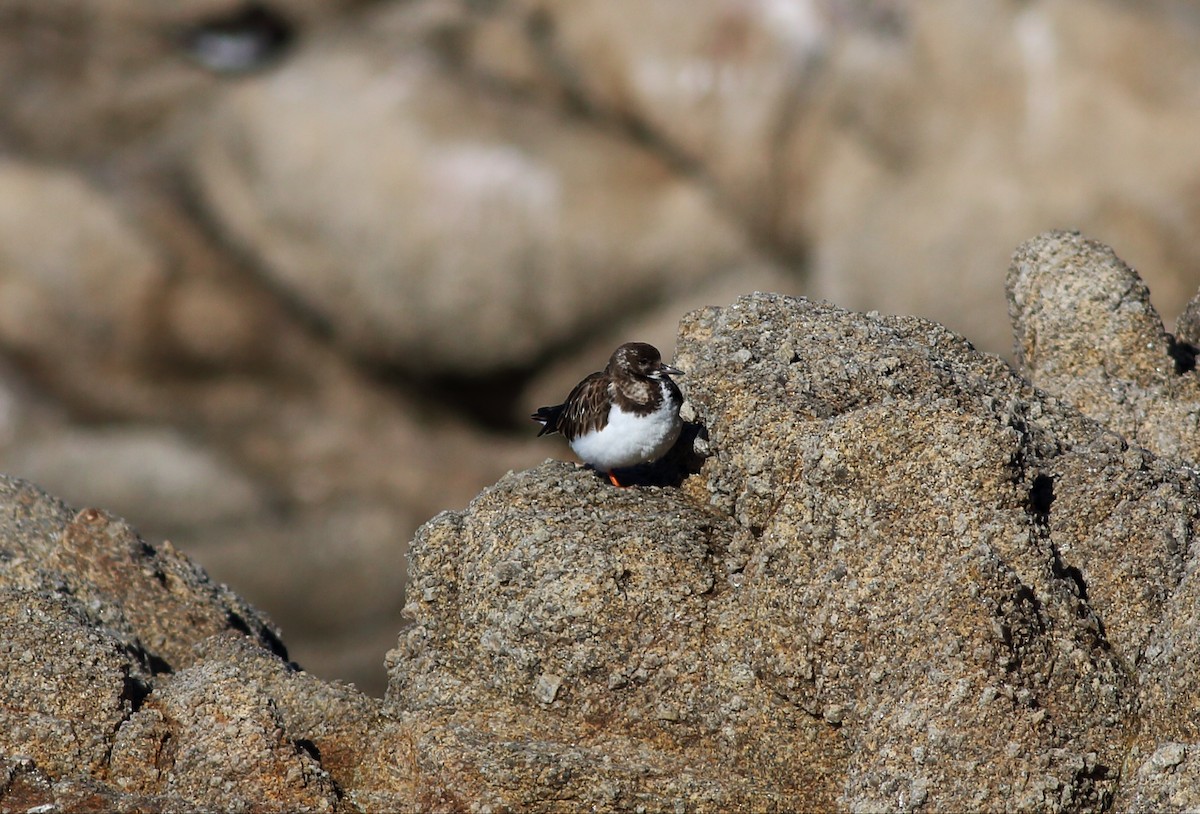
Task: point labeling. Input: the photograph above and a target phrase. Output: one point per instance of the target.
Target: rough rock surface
(323, 289)
(1110, 356)
(883, 572)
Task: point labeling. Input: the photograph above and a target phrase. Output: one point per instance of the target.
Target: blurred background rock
(280, 281)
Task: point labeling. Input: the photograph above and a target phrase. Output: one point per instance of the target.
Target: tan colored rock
(901, 149)
(883, 572)
(716, 83)
(87, 79)
(77, 279)
(1108, 354)
(151, 599)
(130, 681)
(939, 145)
(831, 455)
(756, 621)
(64, 693)
(442, 229)
(231, 746)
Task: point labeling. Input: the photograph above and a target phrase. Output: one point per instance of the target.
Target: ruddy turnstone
(625, 415)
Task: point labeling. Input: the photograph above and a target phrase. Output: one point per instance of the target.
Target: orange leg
(615, 482)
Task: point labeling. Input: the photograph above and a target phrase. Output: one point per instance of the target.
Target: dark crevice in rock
(1184, 354)
(149, 552)
(1021, 621)
(621, 580)
(264, 634)
(1039, 503)
(134, 692)
(311, 748)
(151, 663)
(251, 37)
(158, 665)
(1071, 574)
(238, 623)
(1041, 498)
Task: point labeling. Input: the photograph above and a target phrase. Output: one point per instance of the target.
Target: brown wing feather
(586, 408)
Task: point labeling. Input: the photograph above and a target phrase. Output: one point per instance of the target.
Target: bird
(622, 416)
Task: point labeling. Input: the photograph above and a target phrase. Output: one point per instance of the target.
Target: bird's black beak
(670, 371)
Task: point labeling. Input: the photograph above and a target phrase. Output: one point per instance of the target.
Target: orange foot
(615, 482)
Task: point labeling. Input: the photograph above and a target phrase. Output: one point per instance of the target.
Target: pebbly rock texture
(318, 258)
(130, 682)
(1110, 355)
(903, 577)
(884, 571)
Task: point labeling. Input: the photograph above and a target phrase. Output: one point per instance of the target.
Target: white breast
(629, 439)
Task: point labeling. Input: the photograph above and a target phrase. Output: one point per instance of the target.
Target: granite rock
(938, 140)
(902, 577)
(883, 571)
(453, 202)
(856, 600)
(1109, 355)
(75, 295)
(249, 261)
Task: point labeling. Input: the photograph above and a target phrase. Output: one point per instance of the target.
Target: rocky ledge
(888, 572)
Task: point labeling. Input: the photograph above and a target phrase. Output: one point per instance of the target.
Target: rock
(75, 294)
(240, 438)
(154, 475)
(250, 256)
(837, 132)
(935, 144)
(100, 78)
(153, 600)
(130, 681)
(754, 622)
(66, 688)
(1108, 353)
(716, 83)
(1167, 781)
(861, 467)
(884, 571)
(231, 746)
(451, 202)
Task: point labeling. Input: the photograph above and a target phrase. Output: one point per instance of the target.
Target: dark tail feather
(548, 417)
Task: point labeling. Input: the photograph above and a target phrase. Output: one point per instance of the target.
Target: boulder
(439, 229)
(883, 571)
